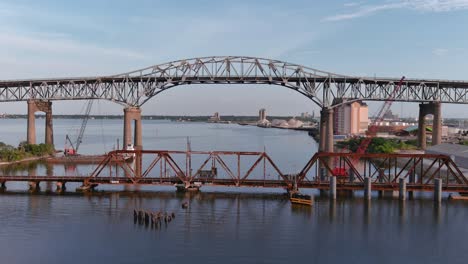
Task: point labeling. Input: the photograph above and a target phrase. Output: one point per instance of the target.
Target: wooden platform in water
(458, 197)
(301, 201)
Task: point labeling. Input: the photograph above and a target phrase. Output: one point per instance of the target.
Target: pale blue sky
(421, 38)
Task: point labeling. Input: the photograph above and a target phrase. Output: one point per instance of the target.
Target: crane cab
(69, 151)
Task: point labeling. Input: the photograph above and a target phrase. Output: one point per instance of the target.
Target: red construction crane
(341, 171)
(373, 126)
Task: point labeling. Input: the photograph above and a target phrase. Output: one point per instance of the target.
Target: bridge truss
(228, 168)
(137, 87)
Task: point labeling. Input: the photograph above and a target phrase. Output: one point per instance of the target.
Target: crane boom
(83, 124)
(373, 127)
(73, 150)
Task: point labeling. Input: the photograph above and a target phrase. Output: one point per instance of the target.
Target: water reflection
(265, 225)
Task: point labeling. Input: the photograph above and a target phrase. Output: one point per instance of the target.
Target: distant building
(390, 116)
(305, 115)
(261, 114)
(351, 118)
(215, 118)
(262, 120)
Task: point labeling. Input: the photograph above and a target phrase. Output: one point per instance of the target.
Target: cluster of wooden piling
(156, 219)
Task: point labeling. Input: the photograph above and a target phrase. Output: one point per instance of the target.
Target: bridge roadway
(137, 87)
(258, 183)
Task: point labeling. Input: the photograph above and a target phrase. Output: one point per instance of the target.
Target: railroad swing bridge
(382, 172)
(133, 89)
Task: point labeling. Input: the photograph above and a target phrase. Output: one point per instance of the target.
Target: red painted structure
(384, 170)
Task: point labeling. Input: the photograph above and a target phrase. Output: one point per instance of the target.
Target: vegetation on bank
(24, 150)
(378, 145)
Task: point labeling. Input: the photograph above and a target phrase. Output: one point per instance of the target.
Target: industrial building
(351, 118)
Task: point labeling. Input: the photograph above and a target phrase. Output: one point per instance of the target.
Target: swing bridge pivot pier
(191, 170)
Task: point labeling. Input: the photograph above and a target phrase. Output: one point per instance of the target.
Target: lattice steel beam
(137, 87)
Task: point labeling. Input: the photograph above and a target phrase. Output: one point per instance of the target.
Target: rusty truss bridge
(256, 169)
(133, 89)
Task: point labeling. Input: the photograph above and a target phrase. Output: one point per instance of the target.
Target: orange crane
(373, 126)
(341, 171)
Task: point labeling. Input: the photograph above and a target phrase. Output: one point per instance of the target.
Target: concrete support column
(333, 187)
(326, 130)
(49, 131)
(323, 130)
(329, 141)
(422, 126)
(437, 124)
(367, 188)
(402, 191)
(43, 106)
(132, 114)
(438, 190)
(31, 127)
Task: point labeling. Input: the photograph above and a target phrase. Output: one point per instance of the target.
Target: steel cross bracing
(137, 87)
(257, 169)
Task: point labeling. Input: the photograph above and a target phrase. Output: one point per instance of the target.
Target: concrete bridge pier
(326, 130)
(39, 106)
(2, 185)
(438, 190)
(402, 190)
(433, 108)
(367, 188)
(333, 187)
(132, 114)
(326, 143)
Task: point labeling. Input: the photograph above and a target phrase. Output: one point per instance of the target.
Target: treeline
(377, 144)
(24, 150)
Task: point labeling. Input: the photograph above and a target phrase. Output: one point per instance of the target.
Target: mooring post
(438, 190)
(402, 192)
(333, 187)
(367, 188)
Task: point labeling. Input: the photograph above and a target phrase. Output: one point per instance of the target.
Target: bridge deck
(356, 186)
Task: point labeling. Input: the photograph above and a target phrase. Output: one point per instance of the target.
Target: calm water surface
(240, 226)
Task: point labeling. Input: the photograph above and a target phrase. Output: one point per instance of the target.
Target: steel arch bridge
(136, 87)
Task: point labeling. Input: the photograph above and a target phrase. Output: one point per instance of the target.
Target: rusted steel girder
(165, 158)
(388, 168)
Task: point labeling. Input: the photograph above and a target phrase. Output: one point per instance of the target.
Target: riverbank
(25, 160)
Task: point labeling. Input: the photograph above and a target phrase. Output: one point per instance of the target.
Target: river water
(221, 225)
